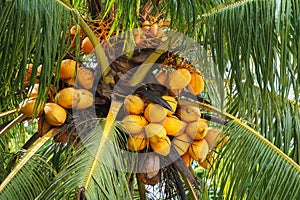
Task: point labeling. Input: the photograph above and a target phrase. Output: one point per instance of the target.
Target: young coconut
(67, 69)
(55, 114)
(197, 129)
(27, 107)
(155, 113)
(182, 143)
(157, 130)
(189, 113)
(208, 162)
(187, 159)
(196, 84)
(160, 145)
(86, 99)
(134, 105)
(87, 46)
(173, 125)
(43, 126)
(199, 150)
(137, 143)
(85, 78)
(134, 124)
(212, 137)
(67, 98)
(179, 79)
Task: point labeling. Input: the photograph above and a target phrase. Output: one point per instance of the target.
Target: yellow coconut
(137, 143)
(87, 46)
(134, 124)
(188, 113)
(27, 107)
(55, 114)
(173, 125)
(197, 129)
(85, 78)
(155, 113)
(157, 130)
(181, 143)
(154, 29)
(172, 102)
(134, 105)
(161, 146)
(68, 97)
(212, 137)
(187, 159)
(196, 84)
(33, 91)
(208, 162)
(67, 69)
(43, 126)
(146, 25)
(199, 150)
(86, 99)
(179, 79)
(71, 81)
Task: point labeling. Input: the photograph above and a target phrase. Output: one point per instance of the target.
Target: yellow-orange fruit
(87, 46)
(157, 130)
(67, 69)
(196, 84)
(182, 143)
(162, 78)
(134, 105)
(199, 150)
(197, 129)
(137, 143)
(179, 79)
(161, 146)
(155, 113)
(85, 78)
(27, 107)
(33, 91)
(212, 137)
(189, 113)
(55, 114)
(86, 99)
(74, 29)
(29, 72)
(43, 126)
(187, 159)
(172, 102)
(71, 81)
(208, 162)
(134, 124)
(67, 98)
(173, 125)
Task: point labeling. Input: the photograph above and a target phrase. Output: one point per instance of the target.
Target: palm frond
(248, 168)
(29, 34)
(24, 168)
(254, 43)
(105, 178)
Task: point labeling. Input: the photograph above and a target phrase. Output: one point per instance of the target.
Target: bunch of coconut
(155, 128)
(53, 112)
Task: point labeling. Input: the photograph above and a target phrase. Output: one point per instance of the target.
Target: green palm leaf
(104, 181)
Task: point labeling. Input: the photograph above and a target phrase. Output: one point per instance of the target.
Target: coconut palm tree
(246, 51)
